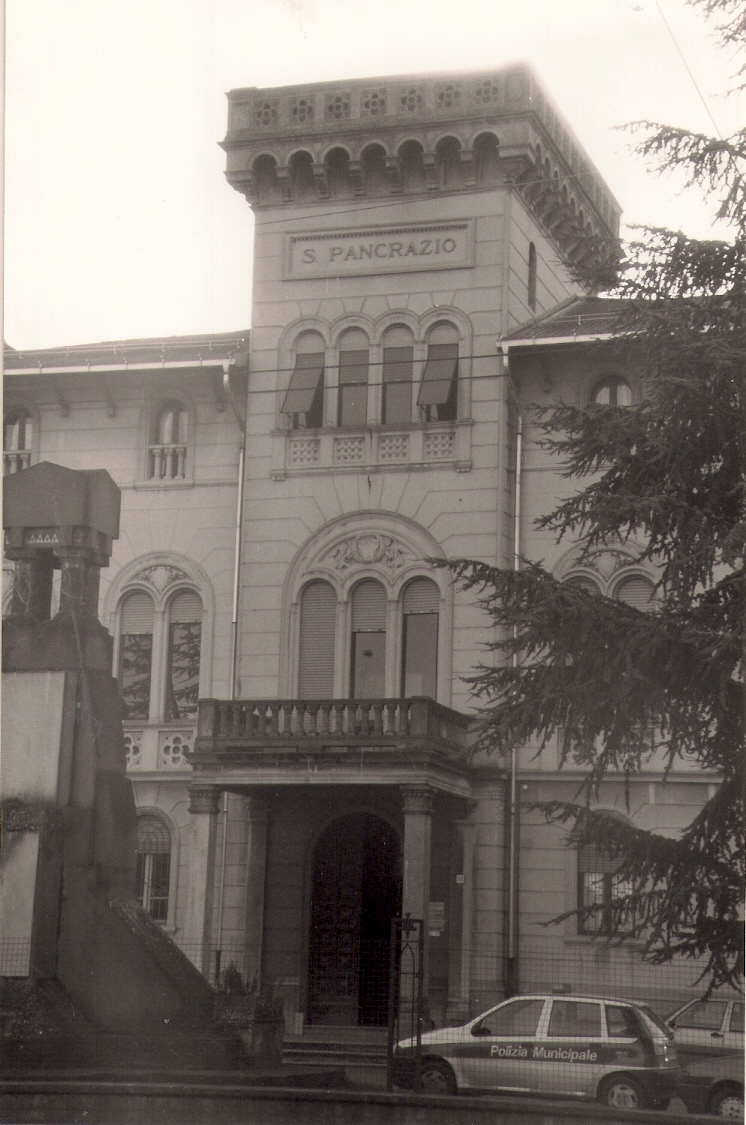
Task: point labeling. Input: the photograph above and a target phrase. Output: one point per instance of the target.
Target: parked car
(617, 1051)
(708, 1028)
(714, 1086)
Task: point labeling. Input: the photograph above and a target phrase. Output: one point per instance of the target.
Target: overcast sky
(119, 222)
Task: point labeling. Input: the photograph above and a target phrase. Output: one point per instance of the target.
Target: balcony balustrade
(168, 462)
(231, 728)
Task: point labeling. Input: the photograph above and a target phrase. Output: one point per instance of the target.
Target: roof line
(169, 364)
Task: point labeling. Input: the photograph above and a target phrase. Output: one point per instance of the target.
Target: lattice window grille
(133, 748)
(487, 92)
(338, 107)
(266, 114)
(173, 749)
(348, 450)
(304, 452)
(448, 96)
(438, 447)
(412, 100)
(374, 103)
(302, 110)
(394, 448)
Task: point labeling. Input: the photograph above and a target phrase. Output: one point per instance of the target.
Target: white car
(617, 1051)
(708, 1028)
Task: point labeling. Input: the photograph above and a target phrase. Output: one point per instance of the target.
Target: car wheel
(622, 1092)
(437, 1077)
(726, 1101)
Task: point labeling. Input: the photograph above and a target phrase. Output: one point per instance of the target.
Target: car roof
(575, 996)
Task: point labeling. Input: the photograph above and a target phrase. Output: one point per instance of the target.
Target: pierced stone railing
(267, 722)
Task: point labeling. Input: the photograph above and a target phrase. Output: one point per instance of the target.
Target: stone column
(256, 866)
(418, 818)
(203, 805)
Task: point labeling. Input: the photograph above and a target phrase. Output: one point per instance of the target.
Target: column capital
(417, 799)
(204, 799)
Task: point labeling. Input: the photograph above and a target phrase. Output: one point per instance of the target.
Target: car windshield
(653, 1018)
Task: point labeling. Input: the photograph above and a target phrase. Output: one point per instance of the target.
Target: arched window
(352, 404)
(368, 649)
(450, 169)
(398, 368)
(318, 607)
(438, 395)
(531, 276)
(136, 624)
(486, 159)
(184, 644)
(612, 390)
(153, 870)
(168, 448)
(159, 657)
(18, 438)
(304, 398)
(600, 886)
(420, 604)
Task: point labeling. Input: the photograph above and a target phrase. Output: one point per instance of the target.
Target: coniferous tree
(617, 684)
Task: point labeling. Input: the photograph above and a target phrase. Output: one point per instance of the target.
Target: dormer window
(17, 441)
(168, 450)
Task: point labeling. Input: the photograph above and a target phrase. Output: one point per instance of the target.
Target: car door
(700, 1029)
(568, 1056)
(501, 1046)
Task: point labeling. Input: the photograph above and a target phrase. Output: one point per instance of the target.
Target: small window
(612, 391)
(304, 398)
(17, 441)
(153, 870)
(184, 643)
(517, 1017)
(575, 1019)
(398, 368)
(600, 886)
(168, 450)
(621, 1022)
(532, 277)
(439, 390)
(352, 408)
(705, 1015)
(136, 655)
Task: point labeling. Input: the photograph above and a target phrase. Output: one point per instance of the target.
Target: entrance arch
(355, 892)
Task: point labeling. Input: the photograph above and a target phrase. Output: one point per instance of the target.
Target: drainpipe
(511, 962)
(234, 638)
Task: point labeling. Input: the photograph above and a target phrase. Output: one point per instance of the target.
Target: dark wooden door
(356, 892)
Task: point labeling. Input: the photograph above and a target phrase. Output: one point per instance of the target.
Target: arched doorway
(355, 892)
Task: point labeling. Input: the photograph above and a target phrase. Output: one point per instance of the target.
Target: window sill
(408, 447)
(184, 482)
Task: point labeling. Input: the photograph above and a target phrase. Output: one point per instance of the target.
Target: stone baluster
(274, 719)
(378, 718)
(287, 717)
(180, 470)
(340, 711)
(323, 725)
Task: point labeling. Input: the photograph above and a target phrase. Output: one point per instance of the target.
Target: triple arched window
(395, 380)
(159, 656)
(388, 648)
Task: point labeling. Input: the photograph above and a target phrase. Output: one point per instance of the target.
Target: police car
(617, 1051)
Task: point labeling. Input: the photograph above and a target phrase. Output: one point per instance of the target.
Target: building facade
(285, 495)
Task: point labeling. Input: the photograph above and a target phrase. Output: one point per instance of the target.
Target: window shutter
(440, 371)
(369, 607)
(397, 365)
(137, 614)
(185, 608)
(353, 366)
(318, 616)
(304, 382)
(421, 595)
(637, 592)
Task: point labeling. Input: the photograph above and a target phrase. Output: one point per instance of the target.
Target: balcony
(373, 741)
(439, 445)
